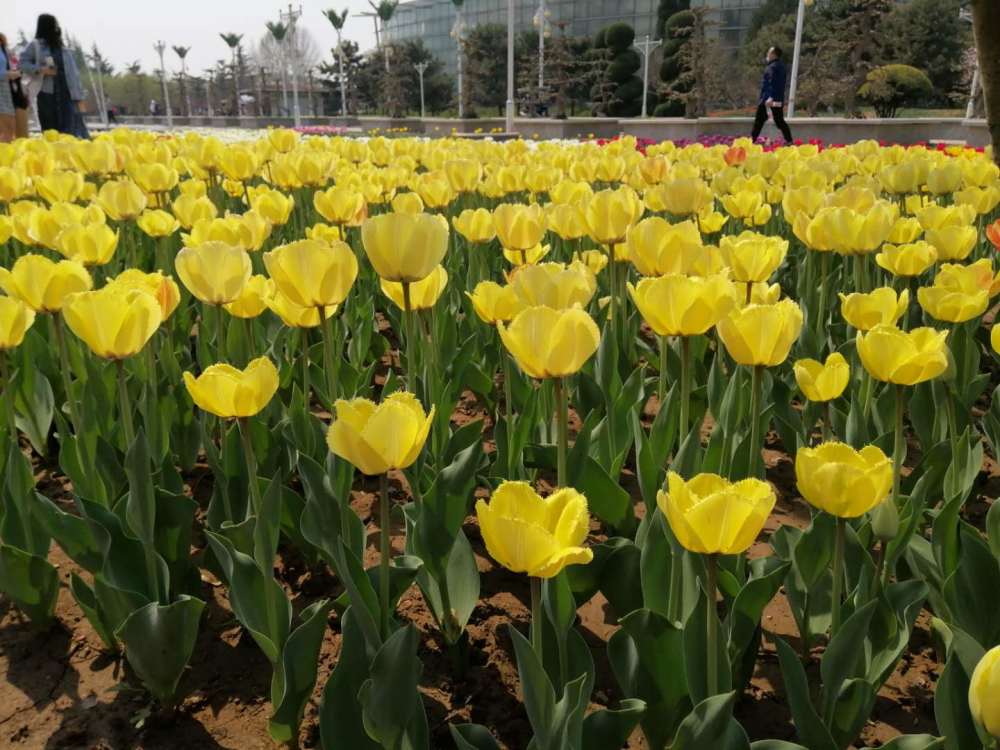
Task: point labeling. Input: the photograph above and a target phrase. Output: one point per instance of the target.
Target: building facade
(434, 20)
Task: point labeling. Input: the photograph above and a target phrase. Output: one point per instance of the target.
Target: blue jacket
(772, 85)
(32, 59)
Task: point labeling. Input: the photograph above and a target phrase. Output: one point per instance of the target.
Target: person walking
(18, 96)
(770, 104)
(60, 99)
(10, 87)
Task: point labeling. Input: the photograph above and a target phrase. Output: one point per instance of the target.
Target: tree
(337, 20)
(182, 53)
(665, 9)
(770, 12)
(486, 55)
(278, 32)
(354, 74)
(621, 71)
(233, 40)
(677, 33)
(930, 35)
(384, 11)
(986, 28)
(891, 86)
(688, 65)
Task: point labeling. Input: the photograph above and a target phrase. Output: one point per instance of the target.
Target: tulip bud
(885, 521)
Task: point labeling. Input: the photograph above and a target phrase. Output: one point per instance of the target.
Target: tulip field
(388, 442)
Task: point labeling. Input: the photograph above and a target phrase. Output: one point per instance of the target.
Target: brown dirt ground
(61, 691)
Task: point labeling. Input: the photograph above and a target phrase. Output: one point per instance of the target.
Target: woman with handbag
(60, 97)
(9, 83)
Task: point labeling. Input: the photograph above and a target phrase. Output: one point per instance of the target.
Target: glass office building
(433, 20)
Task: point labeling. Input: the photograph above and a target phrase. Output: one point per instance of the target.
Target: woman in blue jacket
(61, 94)
(772, 96)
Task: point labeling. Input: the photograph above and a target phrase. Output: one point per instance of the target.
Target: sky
(125, 30)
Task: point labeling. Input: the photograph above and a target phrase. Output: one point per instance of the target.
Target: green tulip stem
(163, 255)
(536, 617)
(838, 576)
(898, 444)
(411, 343)
(749, 292)
(152, 396)
(562, 422)
(385, 551)
(685, 388)
(712, 624)
(755, 407)
(613, 302)
(123, 404)
(64, 366)
(661, 388)
(824, 271)
(859, 278)
(306, 386)
(251, 458)
(508, 397)
(251, 344)
(827, 422)
(220, 336)
(328, 358)
(8, 397)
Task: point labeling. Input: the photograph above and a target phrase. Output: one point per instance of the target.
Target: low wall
(826, 129)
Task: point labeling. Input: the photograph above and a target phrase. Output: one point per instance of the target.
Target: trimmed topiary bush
(600, 39)
(623, 63)
(619, 36)
(892, 86)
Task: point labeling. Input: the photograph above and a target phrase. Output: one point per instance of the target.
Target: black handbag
(18, 95)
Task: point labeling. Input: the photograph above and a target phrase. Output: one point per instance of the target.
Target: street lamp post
(796, 55)
(160, 46)
(510, 67)
(647, 47)
(540, 23)
(291, 17)
(421, 67)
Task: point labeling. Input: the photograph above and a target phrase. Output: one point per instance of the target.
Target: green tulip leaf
(914, 742)
(391, 705)
(31, 582)
(340, 723)
(472, 737)
(711, 724)
(808, 724)
(609, 728)
(86, 599)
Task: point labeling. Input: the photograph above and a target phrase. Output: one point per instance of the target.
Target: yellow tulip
(903, 357)
(529, 534)
(554, 285)
(225, 229)
(519, 227)
(842, 481)
(163, 288)
(906, 177)
(6, 229)
(882, 306)
(253, 299)
(434, 189)
(761, 293)
(59, 187)
(230, 393)
(904, 231)
(324, 232)
(121, 199)
(609, 214)
(214, 272)
(292, 315)
(527, 257)
(654, 169)
(91, 244)
(953, 242)
(566, 220)
(822, 381)
(340, 205)
(656, 247)
(761, 334)
(494, 303)
(752, 256)
(933, 216)
(710, 222)
(946, 178)
(283, 140)
(995, 337)
(157, 223)
(957, 294)
(907, 260)
(13, 184)
(742, 205)
(476, 225)
(114, 322)
(405, 247)
(238, 163)
(154, 178)
(549, 343)
(272, 204)
(570, 192)
(15, 320)
(43, 284)
(253, 230)
(984, 692)
(407, 203)
(190, 209)
(377, 438)
(424, 294)
(983, 200)
(95, 157)
(312, 273)
(463, 174)
(681, 197)
(804, 200)
(971, 276)
(710, 515)
(595, 260)
(676, 305)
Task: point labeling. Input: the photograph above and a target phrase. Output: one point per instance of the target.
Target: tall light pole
(209, 109)
(421, 68)
(797, 54)
(160, 46)
(540, 20)
(510, 66)
(290, 18)
(647, 47)
(457, 32)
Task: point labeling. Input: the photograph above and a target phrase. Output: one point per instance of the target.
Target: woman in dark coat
(61, 94)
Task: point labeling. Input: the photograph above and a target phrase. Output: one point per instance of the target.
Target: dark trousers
(778, 113)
